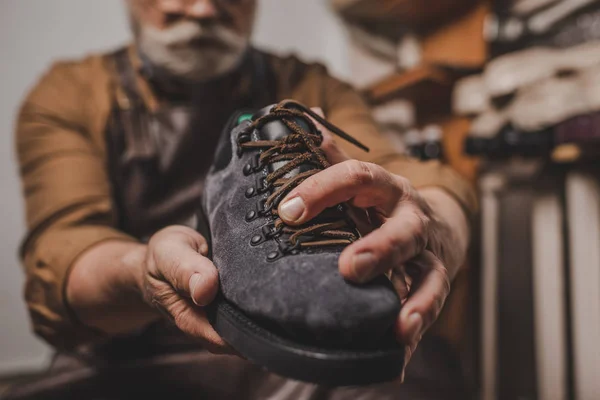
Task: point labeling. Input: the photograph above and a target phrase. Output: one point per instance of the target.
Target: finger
(426, 300)
(334, 153)
(319, 112)
(398, 240)
(178, 260)
(363, 220)
(362, 184)
(193, 321)
(203, 282)
(401, 286)
(408, 353)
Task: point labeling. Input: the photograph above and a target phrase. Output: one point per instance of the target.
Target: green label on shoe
(244, 117)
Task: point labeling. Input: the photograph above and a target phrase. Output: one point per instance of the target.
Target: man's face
(193, 39)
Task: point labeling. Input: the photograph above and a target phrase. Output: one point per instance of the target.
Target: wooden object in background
(490, 185)
(549, 294)
(583, 219)
(428, 87)
(421, 15)
(551, 353)
(516, 338)
(460, 43)
(415, 85)
(455, 131)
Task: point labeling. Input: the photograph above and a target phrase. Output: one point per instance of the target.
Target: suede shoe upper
(287, 277)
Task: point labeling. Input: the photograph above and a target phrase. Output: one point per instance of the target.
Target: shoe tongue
(276, 130)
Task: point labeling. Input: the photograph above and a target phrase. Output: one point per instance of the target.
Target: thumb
(203, 282)
(180, 258)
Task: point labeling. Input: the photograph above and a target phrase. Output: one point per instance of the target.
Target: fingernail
(319, 111)
(362, 264)
(292, 210)
(194, 281)
(415, 324)
(407, 356)
(204, 249)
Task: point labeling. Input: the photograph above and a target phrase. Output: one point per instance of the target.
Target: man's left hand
(412, 244)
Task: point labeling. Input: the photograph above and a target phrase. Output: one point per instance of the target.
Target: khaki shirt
(62, 154)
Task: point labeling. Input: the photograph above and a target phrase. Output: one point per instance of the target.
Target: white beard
(191, 51)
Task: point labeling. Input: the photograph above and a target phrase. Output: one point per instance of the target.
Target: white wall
(35, 32)
(306, 27)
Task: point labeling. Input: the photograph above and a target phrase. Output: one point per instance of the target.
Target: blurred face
(193, 39)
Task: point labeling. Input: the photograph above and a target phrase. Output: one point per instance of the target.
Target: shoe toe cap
(321, 307)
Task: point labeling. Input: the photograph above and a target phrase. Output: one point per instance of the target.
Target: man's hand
(179, 280)
(413, 242)
(117, 287)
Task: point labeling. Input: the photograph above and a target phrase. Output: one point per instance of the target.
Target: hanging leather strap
(138, 141)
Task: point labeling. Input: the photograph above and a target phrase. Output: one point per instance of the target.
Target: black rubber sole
(329, 367)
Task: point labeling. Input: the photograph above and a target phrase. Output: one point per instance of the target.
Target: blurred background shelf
(401, 15)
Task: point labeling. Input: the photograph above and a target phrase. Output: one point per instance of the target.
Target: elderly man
(113, 150)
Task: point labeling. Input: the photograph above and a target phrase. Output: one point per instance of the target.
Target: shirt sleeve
(67, 198)
(345, 108)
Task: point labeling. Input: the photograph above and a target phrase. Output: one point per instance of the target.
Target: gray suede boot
(283, 303)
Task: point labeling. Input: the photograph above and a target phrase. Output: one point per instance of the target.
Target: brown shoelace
(299, 148)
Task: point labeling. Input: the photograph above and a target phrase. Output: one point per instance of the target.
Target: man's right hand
(179, 280)
(117, 287)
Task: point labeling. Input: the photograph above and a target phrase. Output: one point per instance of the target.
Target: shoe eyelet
(267, 230)
(261, 205)
(255, 163)
(277, 231)
(263, 210)
(261, 185)
(250, 192)
(256, 240)
(286, 247)
(242, 138)
(247, 169)
(274, 255)
(250, 215)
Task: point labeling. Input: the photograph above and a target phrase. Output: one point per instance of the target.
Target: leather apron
(158, 159)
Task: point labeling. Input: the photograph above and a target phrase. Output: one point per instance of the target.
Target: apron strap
(133, 112)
